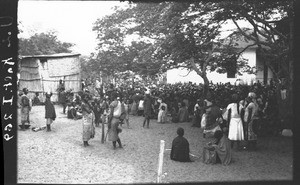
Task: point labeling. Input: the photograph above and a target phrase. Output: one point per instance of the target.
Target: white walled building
(250, 54)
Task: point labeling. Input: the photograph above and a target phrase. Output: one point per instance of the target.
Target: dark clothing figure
(183, 114)
(147, 109)
(97, 112)
(180, 148)
(212, 125)
(36, 100)
(147, 106)
(50, 114)
(174, 116)
(49, 109)
(63, 100)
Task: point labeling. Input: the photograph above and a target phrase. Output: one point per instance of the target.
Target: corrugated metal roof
(58, 55)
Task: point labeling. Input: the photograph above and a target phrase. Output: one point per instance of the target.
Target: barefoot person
(147, 108)
(233, 115)
(114, 121)
(50, 114)
(87, 120)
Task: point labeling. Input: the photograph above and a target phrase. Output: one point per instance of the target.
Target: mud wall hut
(42, 73)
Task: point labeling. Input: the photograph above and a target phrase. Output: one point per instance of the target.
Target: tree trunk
(206, 85)
(202, 73)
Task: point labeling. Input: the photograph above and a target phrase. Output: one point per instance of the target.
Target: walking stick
(106, 135)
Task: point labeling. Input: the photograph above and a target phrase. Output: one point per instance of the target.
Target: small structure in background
(43, 73)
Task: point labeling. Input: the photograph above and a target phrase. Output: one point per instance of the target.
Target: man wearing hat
(25, 109)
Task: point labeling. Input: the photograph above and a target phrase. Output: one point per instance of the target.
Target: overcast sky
(73, 20)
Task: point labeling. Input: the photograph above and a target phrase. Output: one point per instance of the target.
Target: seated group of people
(182, 115)
(218, 151)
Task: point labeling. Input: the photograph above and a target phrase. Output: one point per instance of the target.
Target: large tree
(43, 44)
(272, 31)
(179, 34)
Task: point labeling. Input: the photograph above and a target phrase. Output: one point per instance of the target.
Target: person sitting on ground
(218, 151)
(180, 148)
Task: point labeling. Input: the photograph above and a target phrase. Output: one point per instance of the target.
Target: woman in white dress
(233, 116)
(162, 114)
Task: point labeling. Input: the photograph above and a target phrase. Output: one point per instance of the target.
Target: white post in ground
(160, 160)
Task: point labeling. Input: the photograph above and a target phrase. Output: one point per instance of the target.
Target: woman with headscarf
(50, 114)
(251, 117)
(88, 119)
(218, 151)
(233, 116)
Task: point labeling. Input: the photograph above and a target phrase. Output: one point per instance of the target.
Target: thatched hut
(42, 73)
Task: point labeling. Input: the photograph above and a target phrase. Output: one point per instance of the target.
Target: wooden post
(160, 160)
(102, 137)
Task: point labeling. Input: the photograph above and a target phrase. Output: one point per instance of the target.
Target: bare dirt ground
(59, 156)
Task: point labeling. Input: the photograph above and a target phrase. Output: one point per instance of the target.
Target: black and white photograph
(132, 92)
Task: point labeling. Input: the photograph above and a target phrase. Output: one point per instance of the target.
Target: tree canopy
(188, 34)
(43, 44)
(171, 35)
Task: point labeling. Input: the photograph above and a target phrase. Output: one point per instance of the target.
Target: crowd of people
(179, 100)
(229, 113)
